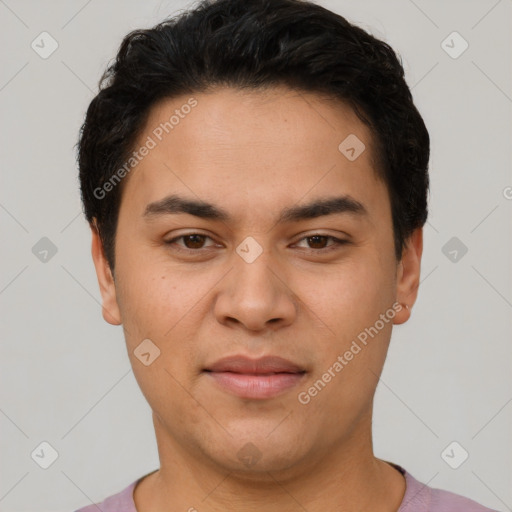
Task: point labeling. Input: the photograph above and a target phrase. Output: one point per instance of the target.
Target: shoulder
(420, 497)
(120, 502)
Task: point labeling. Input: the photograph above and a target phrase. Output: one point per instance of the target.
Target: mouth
(262, 378)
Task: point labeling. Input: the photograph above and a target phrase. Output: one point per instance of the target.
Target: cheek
(350, 304)
(351, 294)
(158, 319)
(150, 305)
(163, 305)
(149, 287)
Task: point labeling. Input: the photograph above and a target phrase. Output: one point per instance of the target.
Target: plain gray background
(65, 375)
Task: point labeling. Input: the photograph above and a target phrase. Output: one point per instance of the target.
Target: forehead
(259, 148)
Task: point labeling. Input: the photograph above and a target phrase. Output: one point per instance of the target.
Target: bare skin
(304, 299)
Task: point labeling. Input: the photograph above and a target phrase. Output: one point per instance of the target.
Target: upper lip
(246, 365)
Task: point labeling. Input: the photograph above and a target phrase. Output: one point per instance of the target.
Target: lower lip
(256, 386)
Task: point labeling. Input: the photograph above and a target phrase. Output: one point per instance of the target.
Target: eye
(192, 241)
(320, 240)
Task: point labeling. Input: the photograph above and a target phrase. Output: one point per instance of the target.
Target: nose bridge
(253, 279)
(254, 273)
(255, 294)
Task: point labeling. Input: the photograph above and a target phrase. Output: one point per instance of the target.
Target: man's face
(257, 283)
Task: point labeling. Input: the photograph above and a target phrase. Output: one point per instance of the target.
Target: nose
(256, 296)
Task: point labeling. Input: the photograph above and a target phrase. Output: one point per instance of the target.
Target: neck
(347, 477)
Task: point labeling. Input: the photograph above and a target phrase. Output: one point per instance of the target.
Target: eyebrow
(175, 204)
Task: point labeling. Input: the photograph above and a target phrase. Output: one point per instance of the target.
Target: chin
(253, 457)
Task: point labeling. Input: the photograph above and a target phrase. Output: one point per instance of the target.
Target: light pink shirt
(417, 498)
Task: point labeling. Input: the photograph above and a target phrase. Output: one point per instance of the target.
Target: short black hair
(254, 44)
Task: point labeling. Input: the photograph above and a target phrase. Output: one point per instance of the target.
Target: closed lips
(269, 365)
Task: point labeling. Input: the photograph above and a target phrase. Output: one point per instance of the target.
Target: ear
(408, 275)
(110, 308)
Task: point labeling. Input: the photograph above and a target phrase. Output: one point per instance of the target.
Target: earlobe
(110, 308)
(408, 276)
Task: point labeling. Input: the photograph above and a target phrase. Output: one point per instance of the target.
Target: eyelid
(308, 234)
(192, 233)
(336, 240)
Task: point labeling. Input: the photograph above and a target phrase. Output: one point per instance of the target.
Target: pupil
(196, 241)
(317, 238)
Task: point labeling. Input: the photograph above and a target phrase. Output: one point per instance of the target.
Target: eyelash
(337, 243)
